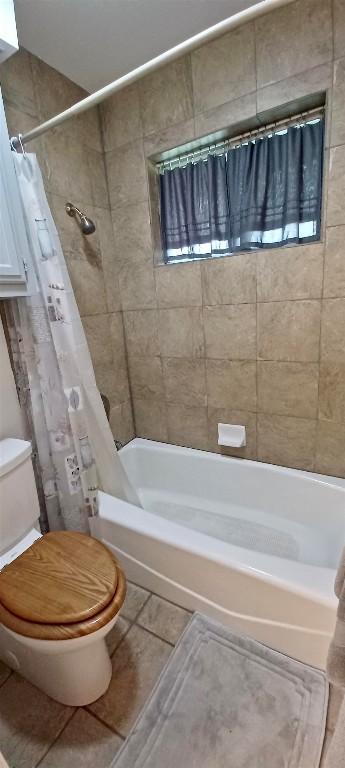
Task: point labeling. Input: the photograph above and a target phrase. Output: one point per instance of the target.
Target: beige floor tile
(164, 619)
(135, 599)
(117, 633)
(29, 722)
(4, 672)
(326, 743)
(336, 696)
(137, 664)
(84, 743)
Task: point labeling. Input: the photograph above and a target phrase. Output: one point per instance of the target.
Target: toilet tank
(19, 508)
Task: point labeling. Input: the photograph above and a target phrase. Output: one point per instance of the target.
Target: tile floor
(36, 731)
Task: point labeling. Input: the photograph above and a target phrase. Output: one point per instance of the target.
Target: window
(261, 192)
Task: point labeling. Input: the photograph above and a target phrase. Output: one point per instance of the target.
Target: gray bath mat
(225, 701)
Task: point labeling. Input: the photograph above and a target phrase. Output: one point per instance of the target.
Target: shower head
(86, 225)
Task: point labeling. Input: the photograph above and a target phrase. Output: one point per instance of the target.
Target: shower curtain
(73, 447)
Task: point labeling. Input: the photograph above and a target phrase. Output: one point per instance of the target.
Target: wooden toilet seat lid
(63, 578)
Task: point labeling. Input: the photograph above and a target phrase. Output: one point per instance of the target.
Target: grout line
(100, 720)
(154, 634)
(74, 712)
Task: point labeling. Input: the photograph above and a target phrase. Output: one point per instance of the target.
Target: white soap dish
(231, 435)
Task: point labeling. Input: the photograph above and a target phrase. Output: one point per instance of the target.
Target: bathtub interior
(266, 509)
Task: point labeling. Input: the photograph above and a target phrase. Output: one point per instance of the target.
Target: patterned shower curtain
(73, 447)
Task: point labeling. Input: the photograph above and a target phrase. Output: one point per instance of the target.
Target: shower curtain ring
(21, 143)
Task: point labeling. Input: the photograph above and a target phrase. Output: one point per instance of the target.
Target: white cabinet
(14, 249)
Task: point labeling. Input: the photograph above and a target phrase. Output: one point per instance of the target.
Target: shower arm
(197, 40)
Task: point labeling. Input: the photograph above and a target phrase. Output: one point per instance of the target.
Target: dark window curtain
(259, 195)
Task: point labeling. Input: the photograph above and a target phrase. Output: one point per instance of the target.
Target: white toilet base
(74, 672)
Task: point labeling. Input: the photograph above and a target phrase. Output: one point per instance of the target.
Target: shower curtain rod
(173, 53)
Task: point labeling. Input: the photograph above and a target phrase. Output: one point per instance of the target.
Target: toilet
(60, 593)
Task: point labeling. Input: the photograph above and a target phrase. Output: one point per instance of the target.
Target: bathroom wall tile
(137, 664)
(290, 273)
(112, 381)
(330, 449)
(99, 340)
(121, 422)
(289, 389)
(179, 285)
(336, 187)
(54, 91)
(114, 637)
(187, 425)
(116, 330)
(66, 166)
(297, 37)
(291, 89)
(126, 174)
(136, 598)
(166, 96)
(146, 378)
(84, 743)
(181, 332)
(184, 381)
(120, 117)
(141, 329)
(137, 287)
(338, 104)
(164, 619)
(289, 330)
(233, 115)
(231, 280)
(225, 416)
(231, 384)
(230, 331)
(17, 83)
(333, 331)
(150, 419)
(334, 275)
(4, 672)
(286, 441)
(169, 138)
(29, 722)
(339, 28)
(98, 178)
(109, 259)
(132, 233)
(224, 69)
(332, 392)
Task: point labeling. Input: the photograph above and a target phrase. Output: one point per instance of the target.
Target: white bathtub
(252, 545)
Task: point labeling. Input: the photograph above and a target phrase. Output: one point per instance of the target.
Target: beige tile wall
(259, 338)
(72, 162)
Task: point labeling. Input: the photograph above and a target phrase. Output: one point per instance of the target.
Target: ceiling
(95, 41)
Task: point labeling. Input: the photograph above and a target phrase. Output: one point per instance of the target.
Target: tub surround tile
(332, 392)
(297, 37)
(289, 90)
(125, 164)
(290, 273)
(137, 287)
(286, 441)
(132, 233)
(99, 187)
(330, 449)
(121, 422)
(166, 96)
(336, 187)
(137, 664)
(187, 426)
(225, 416)
(112, 381)
(66, 166)
(169, 137)
(98, 337)
(184, 381)
(289, 389)
(333, 331)
(339, 28)
(17, 83)
(338, 104)
(289, 330)
(179, 285)
(233, 114)
(151, 419)
(141, 329)
(230, 331)
(108, 255)
(224, 69)
(230, 280)
(231, 384)
(146, 378)
(84, 743)
(29, 722)
(181, 332)
(120, 116)
(334, 276)
(164, 619)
